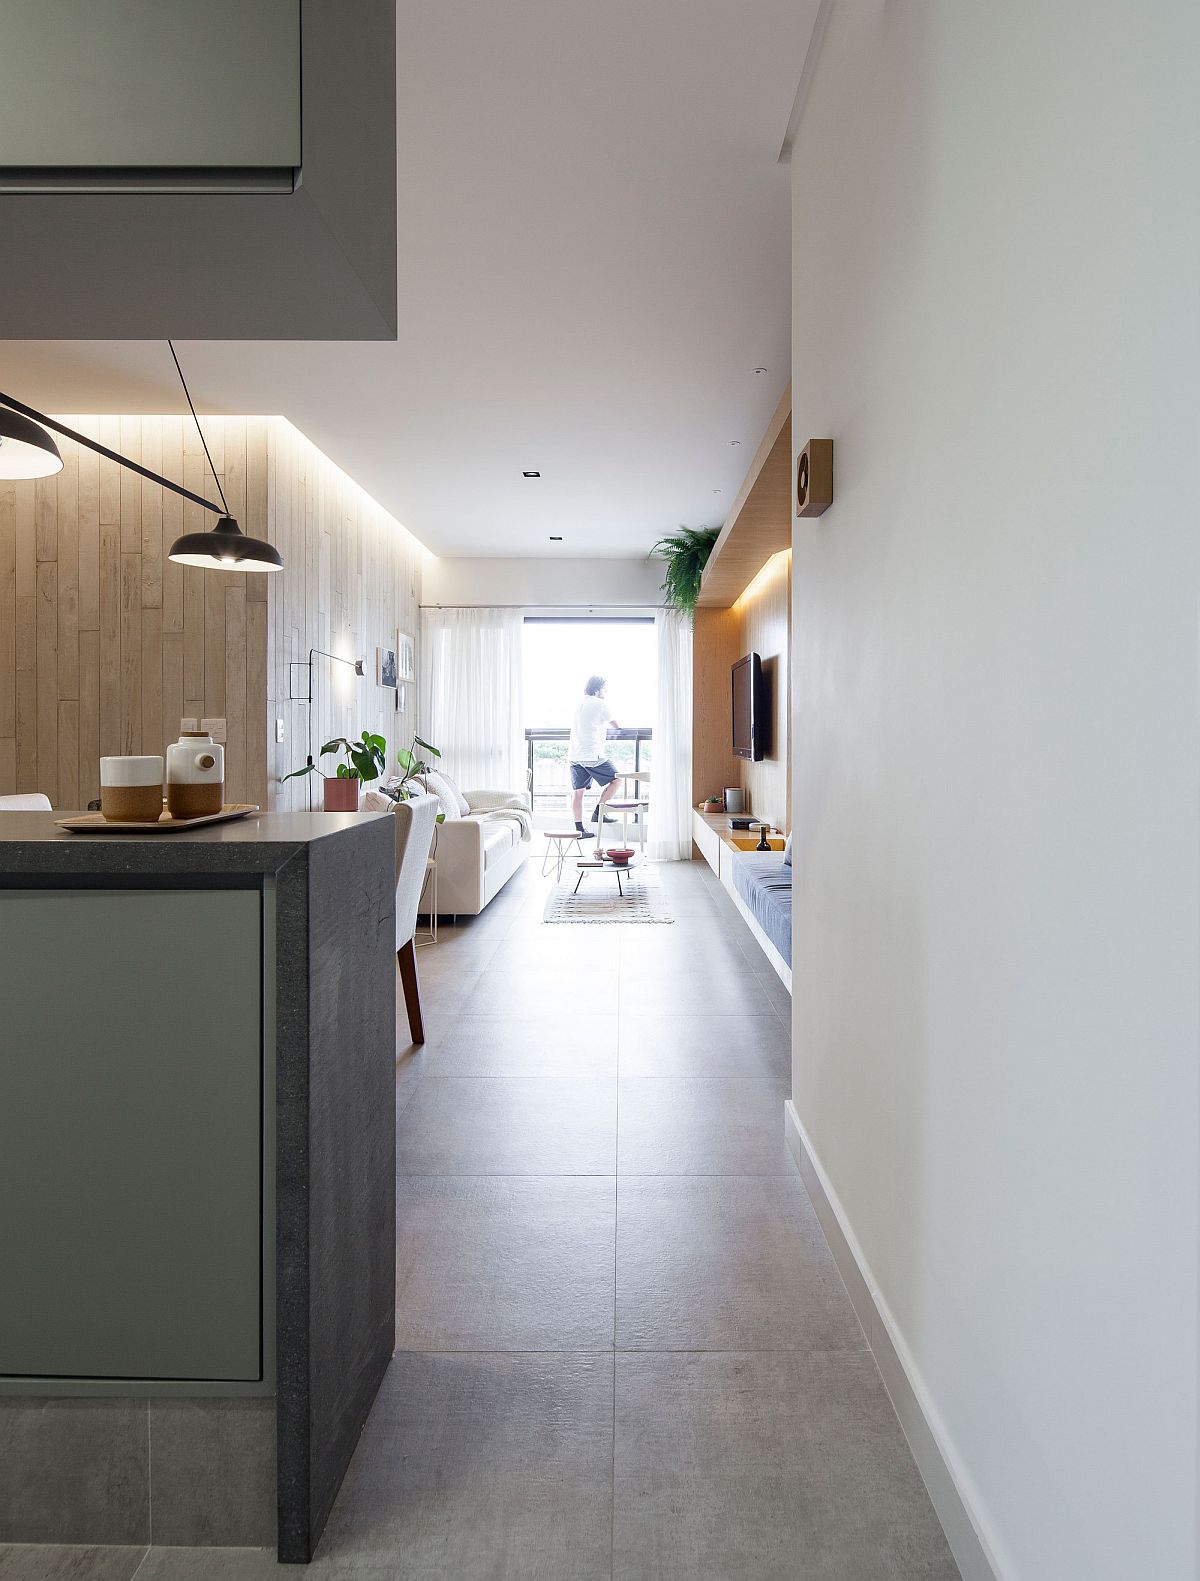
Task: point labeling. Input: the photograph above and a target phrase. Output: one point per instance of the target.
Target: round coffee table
(603, 864)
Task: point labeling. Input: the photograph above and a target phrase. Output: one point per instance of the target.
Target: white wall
(543, 583)
(995, 716)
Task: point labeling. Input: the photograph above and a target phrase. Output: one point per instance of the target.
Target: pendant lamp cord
(199, 430)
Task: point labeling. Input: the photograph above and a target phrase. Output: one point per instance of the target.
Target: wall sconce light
(814, 478)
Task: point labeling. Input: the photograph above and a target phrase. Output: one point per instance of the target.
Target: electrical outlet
(279, 730)
(215, 728)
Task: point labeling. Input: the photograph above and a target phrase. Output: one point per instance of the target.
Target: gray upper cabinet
(112, 94)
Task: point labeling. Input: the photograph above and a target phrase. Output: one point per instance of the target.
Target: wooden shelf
(760, 522)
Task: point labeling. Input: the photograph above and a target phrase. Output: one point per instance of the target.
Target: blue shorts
(584, 774)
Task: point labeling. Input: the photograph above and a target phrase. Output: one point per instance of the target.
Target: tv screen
(748, 711)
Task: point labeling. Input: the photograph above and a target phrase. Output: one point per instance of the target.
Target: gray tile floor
(623, 1350)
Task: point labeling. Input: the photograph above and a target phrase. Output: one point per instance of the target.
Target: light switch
(215, 728)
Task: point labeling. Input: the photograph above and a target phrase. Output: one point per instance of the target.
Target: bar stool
(563, 839)
(637, 804)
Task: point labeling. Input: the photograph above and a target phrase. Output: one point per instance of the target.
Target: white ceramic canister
(195, 775)
(131, 789)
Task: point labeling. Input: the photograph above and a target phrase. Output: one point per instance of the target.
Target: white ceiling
(594, 255)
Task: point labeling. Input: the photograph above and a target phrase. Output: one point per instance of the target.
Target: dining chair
(416, 822)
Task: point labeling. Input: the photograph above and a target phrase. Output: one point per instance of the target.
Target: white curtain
(470, 691)
(671, 779)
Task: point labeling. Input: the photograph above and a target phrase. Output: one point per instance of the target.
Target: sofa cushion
(498, 835)
(448, 799)
(464, 806)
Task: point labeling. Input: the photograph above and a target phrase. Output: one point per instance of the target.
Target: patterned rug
(598, 899)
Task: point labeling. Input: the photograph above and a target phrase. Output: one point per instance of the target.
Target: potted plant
(413, 769)
(686, 554)
(365, 759)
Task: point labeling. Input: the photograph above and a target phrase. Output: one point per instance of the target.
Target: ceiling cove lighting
(28, 451)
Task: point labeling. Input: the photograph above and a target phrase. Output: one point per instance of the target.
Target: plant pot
(341, 795)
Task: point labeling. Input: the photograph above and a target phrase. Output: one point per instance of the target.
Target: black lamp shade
(225, 548)
(26, 449)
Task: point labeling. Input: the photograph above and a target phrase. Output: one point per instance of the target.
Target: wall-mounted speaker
(814, 478)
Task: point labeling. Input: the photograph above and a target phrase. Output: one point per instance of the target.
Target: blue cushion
(765, 884)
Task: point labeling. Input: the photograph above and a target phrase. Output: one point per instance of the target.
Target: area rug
(598, 900)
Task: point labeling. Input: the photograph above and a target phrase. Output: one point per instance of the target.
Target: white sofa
(476, 851)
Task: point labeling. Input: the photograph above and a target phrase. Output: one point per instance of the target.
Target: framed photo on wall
(407, 655)
(385, 666)
(402, 698)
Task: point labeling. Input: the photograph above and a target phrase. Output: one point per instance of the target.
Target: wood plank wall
(759, 622)
(764, 619)
(105, 644)
(716, 639)
(351, 583)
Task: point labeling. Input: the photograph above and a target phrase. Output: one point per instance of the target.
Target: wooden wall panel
(351, 583)
(759, 622)
(764, 621)
(715, 648)
(105, 644)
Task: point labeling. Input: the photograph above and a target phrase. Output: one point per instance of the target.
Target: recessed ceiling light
(735, 443)
(531, 474)
(553, 539)
(716, 491)
(760, 370)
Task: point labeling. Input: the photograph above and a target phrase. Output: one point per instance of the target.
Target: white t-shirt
(589, 730)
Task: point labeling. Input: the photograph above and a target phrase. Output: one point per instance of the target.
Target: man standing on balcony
(586, 752)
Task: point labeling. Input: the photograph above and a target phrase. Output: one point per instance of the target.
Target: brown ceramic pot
(341, 795)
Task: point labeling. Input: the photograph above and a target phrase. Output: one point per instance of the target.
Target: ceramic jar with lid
(195, 775)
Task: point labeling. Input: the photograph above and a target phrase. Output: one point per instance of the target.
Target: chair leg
(406, 956)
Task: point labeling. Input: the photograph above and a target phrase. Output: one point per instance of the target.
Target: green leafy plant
(413, 768)
(365, 759)
(685, 554)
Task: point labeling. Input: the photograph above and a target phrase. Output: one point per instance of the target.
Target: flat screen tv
(749, 711)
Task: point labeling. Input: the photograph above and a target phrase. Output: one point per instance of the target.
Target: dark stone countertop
(31, 843)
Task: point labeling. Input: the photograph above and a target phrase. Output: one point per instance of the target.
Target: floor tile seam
(137, 1570)
(527, 1174)
(494, 1350)
(505, 1174)
(628, 1175)
(825, 1353)
(783, 1173)
(619, 1174)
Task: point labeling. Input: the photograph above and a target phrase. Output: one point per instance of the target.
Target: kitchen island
(197, 1162)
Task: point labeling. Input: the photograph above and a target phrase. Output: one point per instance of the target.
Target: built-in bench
(759, 884)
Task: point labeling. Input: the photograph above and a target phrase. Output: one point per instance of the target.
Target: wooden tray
(97, 823)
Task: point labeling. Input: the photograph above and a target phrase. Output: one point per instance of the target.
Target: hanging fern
(686, 554)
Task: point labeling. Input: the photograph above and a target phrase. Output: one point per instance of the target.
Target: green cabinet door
(131, 1134)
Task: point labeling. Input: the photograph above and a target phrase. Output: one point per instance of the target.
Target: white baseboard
(948, 1485)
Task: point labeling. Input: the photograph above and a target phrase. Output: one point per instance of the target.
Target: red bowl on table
(619, 854)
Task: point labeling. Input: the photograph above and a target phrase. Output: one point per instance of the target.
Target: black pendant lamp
(28, 451)
(226, 547)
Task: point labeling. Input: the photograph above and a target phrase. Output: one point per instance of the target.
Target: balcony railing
(631, 751)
